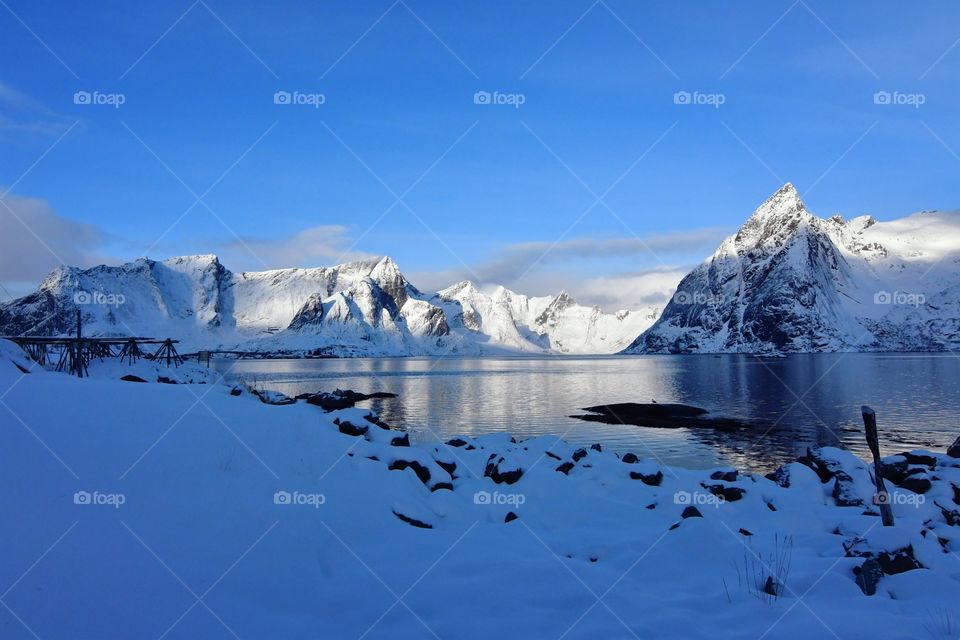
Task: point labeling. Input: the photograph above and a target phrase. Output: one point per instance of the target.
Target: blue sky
(489, 191)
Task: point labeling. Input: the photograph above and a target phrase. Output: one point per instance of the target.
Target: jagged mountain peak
(464, 287)
(784, 201)
(790, 281)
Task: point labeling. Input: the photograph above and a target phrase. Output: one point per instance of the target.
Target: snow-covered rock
(361, 308)
(789, 281)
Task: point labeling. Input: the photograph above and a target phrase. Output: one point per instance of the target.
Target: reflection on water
(797, 401)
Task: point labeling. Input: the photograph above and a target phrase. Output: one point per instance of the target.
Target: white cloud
(581, 267)
(20, 113)
(322, 245)
(34, 239)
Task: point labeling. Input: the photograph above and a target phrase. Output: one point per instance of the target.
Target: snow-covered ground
(152, 510)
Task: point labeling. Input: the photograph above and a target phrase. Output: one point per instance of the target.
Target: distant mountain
(357, 309)
(789, 281)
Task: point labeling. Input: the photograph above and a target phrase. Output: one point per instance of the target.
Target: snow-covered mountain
(360, 308)
(792, 282)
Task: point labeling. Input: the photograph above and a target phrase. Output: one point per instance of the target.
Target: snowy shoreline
(180, 510)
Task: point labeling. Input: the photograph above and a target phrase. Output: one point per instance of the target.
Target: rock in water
(954, 450)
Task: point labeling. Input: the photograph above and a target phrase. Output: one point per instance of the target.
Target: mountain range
(364, 308)
(787, 281)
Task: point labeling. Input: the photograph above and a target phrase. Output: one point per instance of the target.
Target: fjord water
(796, 402)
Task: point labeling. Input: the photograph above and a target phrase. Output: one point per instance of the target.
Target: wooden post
(883, 498)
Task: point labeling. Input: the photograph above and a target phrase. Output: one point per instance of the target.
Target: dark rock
(729, 494)
(844, 493)
(510, 517)
(899, 561)
(950, 516)
(956, 493)
(674, 526)
(401, 441)
(818, 466)
(771, 506)
(579, 455)
(916, 484)
(442, 485)
(770, 587)
(630, 458)
(920, 459)
(954, 450)
(667, 416)
(890, 562)
(745, 532)
(351, 429)
(413, 521)
(422, 472)
(166, 380)
(377, 421)
(653, 480)
(895, 469)
(781, 476)
(449, 467)
(550, 454)
(652, 505)
(328, 402)
(493, 472)
(726, 476)
(565, 468)
(132, 378)
(456, 442)
(868, 576)
(236, 391)
(691, 512)
(374, 458)
(596, 447)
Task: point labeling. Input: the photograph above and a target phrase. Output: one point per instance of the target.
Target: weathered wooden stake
(883, 498)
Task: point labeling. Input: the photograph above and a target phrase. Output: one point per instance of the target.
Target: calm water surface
(797, 401)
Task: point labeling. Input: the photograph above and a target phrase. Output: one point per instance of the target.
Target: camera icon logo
(882, 97)
(282, 497)
(282, 97)
(81, 497)
(482, 497)
(881, 498)
(82, 97)
(682, 497)
(682, 297)
(82, 297)
(882, 297)
(682, 97)
(482, 97)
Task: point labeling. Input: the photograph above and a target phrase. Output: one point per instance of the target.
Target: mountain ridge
(367, 307)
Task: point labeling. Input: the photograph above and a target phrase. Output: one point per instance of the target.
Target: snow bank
(182, 511)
